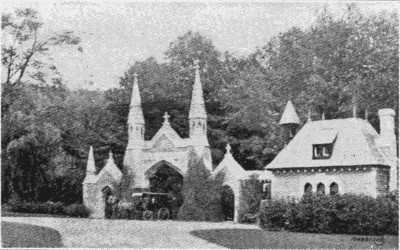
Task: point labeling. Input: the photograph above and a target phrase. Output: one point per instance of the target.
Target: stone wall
(291, 184)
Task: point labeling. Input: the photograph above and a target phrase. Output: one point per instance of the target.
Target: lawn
(259, 239)
(18, 235)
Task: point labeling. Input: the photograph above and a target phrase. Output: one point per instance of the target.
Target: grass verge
(259, 239)
(18, 235)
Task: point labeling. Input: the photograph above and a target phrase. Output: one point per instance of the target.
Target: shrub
(250, 198)
(75, 210)
(272, 214)
(201, 194)
(348, 213)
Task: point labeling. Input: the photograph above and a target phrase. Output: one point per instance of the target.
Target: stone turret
(135, 118)
(198, 121)
(135, 138)
(197, 113)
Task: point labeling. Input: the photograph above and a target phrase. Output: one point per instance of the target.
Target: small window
(130, 128)
(204, 127)
(308, 188)
(322, 151)
(199, 124)
(334, 188)
(321, 188)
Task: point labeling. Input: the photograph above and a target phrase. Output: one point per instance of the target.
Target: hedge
(57, 208)
(336, 214)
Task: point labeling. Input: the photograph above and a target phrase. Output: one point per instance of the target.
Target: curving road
(96, 233)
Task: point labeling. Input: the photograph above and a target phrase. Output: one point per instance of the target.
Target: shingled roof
(354, 144)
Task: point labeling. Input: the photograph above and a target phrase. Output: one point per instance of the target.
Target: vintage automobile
(153, 205)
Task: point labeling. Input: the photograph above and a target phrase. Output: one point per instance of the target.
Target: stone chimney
(387, 143)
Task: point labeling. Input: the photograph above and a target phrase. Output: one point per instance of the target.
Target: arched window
(321, 188)
(193, 124)
(334, 188)
(199, 124)
(308, 188)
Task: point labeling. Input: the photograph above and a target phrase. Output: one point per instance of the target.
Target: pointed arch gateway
(164, 177)
(228, 202)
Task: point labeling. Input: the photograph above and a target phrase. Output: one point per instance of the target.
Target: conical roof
(135, 108)
(289, 115)
(197, 107)
(91, 176)
(91, 167)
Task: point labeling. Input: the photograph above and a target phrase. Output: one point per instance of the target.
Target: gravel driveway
(127, 233)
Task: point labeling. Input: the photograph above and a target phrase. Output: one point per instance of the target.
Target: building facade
(336, 156)
(165, 152)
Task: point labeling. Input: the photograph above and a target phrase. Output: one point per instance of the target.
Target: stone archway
(166, 178)
(228, 202)
(106, 193)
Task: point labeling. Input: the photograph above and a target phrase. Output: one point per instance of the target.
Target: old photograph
(200, 124)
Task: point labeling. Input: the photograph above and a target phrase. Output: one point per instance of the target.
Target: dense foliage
(337, 214)
(201, 193)
(339, 62)
(57, 208)
(250, 198)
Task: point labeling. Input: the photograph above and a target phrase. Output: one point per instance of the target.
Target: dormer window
(322, 151)
(322, 142)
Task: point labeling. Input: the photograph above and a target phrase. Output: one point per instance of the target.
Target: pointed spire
(197, 107)
(366, 114)
(289, 115)
(309, 116)
(91, 167)
(323, 115)
(355, 111)
(135, 108)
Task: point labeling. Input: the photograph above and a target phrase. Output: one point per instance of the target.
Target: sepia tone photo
(199, 125)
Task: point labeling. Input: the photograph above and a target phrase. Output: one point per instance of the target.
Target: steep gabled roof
(230, 167)
(167, 131)
(354, 143)
(289, 115)
(111, 169)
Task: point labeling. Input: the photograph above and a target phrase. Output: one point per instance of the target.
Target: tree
(28, 162)
(201, 193)
(25, 49)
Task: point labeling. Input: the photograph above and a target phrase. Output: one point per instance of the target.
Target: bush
(77, 210)
(272, 214)
(74, 210)
(348, 213)
(250, 199)
(201, 193)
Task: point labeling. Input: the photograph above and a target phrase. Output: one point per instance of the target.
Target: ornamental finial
(228, 148)
(166, 117)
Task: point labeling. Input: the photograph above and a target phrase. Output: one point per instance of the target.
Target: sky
(116, 34)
